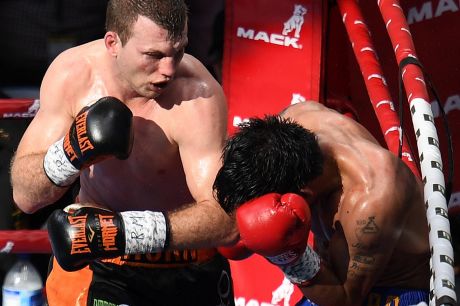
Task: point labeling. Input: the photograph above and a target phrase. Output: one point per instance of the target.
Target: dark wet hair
(266, 155)
(169, 14)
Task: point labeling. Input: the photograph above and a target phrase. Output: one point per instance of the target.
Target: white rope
(442, 281)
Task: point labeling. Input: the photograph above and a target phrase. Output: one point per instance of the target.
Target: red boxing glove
(235, 252)
(275, 226)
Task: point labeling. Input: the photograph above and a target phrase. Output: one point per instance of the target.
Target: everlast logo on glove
(83, 141)
(78, 238)
(70, 152)
(84, 144)
(81, 234)
(100, 131)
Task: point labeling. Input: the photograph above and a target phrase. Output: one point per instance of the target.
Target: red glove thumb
(235, 252)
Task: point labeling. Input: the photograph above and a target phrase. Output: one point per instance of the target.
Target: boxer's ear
(112, 42)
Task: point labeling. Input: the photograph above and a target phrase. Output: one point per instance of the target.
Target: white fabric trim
(57, 166)
(303, 269)
(145, 231)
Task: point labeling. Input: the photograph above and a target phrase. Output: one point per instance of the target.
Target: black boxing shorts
(190, 277)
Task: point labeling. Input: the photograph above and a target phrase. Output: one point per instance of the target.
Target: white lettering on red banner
(273, 38)
(31, 111)
(8, 247)
(430, 10)
(452, 104)
(297, 98)
(293, 24)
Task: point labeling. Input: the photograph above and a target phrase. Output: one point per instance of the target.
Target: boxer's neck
(329, 181)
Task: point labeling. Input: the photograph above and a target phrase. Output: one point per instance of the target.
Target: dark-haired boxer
(142, 126)
(367, 213)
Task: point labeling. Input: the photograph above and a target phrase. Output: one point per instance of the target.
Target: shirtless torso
(369, 218)
(179, 127)
(153, 176)
(179, 130)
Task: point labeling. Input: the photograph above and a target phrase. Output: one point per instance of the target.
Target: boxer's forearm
(32, 189)
(201, 225)
(128, 232)
(328, 289)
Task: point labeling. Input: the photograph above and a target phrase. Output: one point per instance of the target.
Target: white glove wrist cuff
(57, 167)
(146, 231)
(304, 269)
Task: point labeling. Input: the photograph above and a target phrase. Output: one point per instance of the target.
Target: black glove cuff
(168, 231)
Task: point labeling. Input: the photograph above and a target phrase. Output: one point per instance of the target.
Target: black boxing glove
(101, 130)
(80, 234)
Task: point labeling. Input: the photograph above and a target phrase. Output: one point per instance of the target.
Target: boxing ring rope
(25, 241)
(22, 241)
(374, 80)
(442, 281)
(18, 108)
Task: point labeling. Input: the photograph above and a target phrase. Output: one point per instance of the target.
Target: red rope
(374, 80)
(18, 108)
(24, 241)
(403, 46)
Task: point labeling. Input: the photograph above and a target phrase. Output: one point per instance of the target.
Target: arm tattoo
(362, 263)
(364, 229)
(370, 227)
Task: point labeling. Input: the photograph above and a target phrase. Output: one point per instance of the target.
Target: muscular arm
(359, 251)
(200, 140)
(32, 189)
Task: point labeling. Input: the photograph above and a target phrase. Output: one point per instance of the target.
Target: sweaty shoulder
(298, 108)
(310, 113)
(327, 122)
(195, 80)
(70, 76)
(202, 98)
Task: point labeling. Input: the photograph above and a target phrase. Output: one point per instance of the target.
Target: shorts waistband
(389, 296)
(165, 259)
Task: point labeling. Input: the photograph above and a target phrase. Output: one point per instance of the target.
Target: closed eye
(156, 55)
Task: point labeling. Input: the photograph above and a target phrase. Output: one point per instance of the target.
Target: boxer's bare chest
(151, 178)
